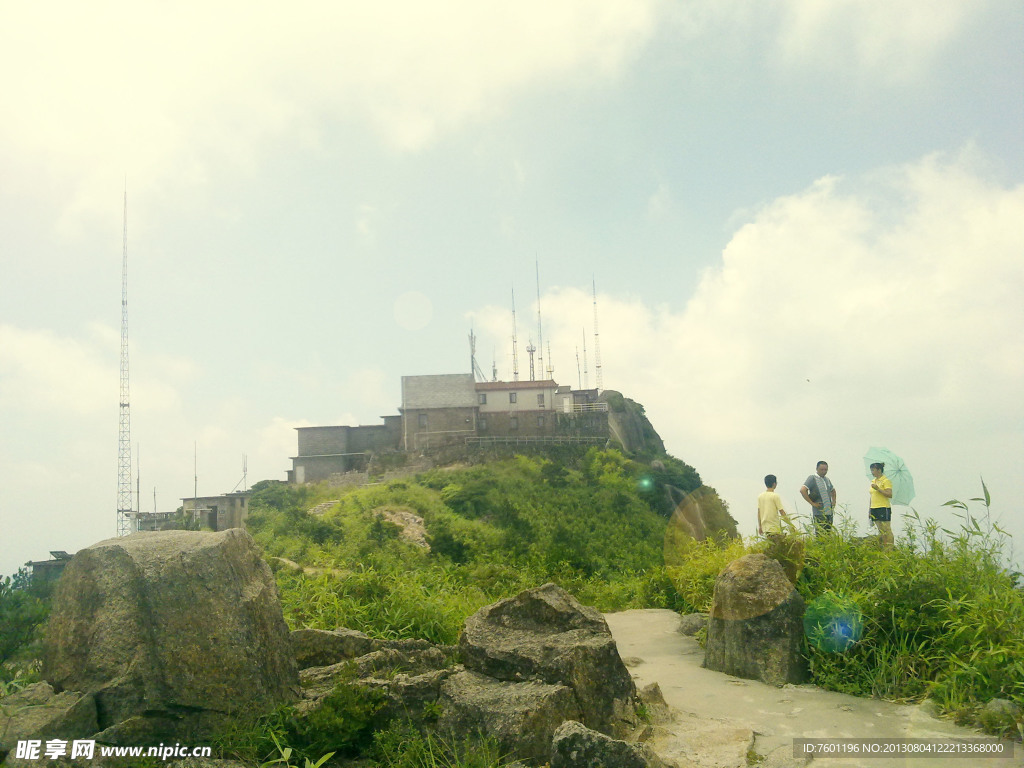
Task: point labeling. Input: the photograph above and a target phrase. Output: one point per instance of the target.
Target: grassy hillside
(936, 617)
(594, 523)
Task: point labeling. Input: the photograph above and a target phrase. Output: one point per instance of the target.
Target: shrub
(24, 608)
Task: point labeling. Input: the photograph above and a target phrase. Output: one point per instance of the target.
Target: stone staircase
(319, 509)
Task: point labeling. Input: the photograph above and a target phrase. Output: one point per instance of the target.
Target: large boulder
(545, 634)
(172, 632)
(756, 626)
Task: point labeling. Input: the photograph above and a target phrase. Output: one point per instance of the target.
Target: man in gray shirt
(819, 492)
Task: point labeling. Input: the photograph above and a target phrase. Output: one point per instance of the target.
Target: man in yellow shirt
(769, 508)
(880, 506)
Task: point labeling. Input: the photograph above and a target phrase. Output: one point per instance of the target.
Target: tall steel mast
(125, 508)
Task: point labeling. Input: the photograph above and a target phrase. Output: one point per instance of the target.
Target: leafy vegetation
(342, 724)
(24, 608)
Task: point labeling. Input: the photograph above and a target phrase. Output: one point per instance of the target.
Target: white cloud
(42, 371)
(894, 40)
(882, 310)
(159, 91)
(659, 203)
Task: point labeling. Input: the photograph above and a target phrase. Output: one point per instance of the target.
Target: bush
(24, 609)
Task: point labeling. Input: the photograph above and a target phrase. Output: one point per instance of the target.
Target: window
(513, 423)
(482, 397)
(481, 424)
(540, 400)
(540, 421)
(512, 397)
(423, 421)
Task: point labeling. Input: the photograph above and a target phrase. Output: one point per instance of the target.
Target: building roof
(489, 386)
(446, 390)
(230, 495)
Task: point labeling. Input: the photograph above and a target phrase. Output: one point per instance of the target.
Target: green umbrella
(896, 470)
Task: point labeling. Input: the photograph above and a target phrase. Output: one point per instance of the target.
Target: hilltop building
(452, 409)
(44, 571)
(218, 513)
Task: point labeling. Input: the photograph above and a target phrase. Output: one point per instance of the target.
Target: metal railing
(588, 407)
(534, 440)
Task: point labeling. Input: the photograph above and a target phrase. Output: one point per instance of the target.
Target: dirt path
(719, 718)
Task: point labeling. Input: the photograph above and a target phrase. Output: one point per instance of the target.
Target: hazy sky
(805, 221)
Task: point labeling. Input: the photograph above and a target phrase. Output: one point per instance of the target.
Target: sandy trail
(720, 717)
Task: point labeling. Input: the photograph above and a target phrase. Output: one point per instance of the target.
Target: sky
(804, 223)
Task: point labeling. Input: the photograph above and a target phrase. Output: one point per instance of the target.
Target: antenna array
(474, 366)
(540, 328)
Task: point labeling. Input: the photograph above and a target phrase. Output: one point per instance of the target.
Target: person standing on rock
(769, 509)
(880, 505)
(819, 492)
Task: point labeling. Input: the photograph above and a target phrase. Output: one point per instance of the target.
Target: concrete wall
(313, 469)
(432, 427)
(326, 441)
(376, 438)
(449, 390)
(219, 512)
(320, 441)
(518, 424)
(530, 396)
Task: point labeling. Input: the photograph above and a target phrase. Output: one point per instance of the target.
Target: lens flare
(833, 624)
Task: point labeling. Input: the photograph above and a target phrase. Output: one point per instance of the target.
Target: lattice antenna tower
(530, 349)
(515, 341)
(125, 507)
(597, 343)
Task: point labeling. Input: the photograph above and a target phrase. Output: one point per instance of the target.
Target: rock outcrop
(756, 625)
(576, 746)
(171, 632)
(522, 716)
(38, 712)
(529, 664)
(545, 634)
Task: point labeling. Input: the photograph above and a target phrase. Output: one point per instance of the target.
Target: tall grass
(943, 615)
(939, 616)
